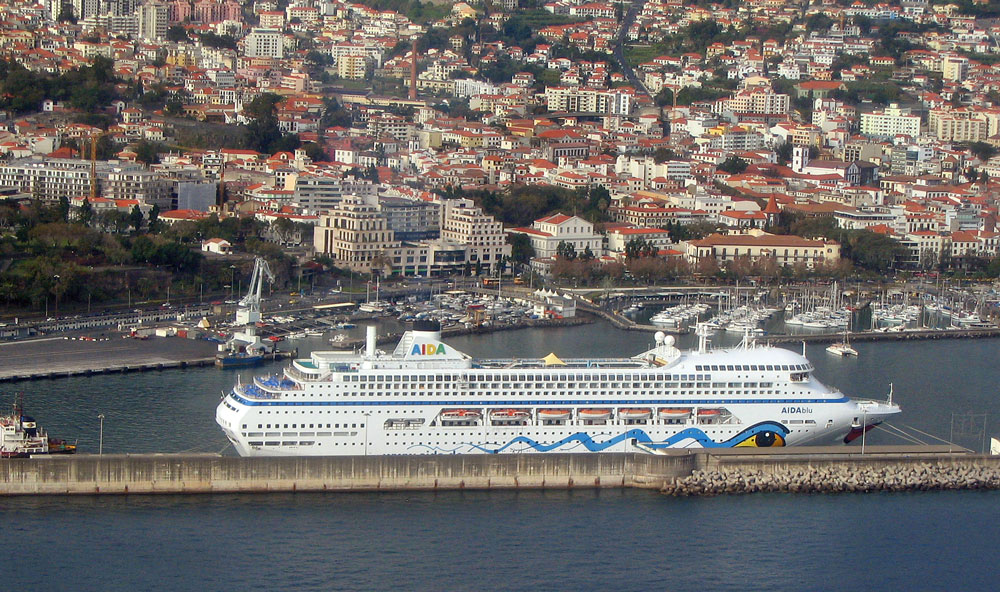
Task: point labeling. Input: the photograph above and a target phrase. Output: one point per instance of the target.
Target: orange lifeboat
(554, 414)
(674, 412)
(709, 413)
(460, 415)
(634, 414)
(510, 414)
(594, 414)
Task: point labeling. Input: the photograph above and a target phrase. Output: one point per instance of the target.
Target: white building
(547, 233)
(589, 100)
(464, 222)
(264, 43)
(893, 121)
(317, 193)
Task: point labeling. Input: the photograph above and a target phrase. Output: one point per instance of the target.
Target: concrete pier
(681, 472)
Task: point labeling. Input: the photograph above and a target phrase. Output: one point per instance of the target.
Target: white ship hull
(419, 401)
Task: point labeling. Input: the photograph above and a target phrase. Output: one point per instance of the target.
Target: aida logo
(427, 349)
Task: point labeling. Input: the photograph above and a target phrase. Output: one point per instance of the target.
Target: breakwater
(859, 478)
(679, 472)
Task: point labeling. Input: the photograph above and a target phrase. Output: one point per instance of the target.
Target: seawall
(681, 472)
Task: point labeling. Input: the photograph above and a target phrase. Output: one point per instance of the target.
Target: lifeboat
(709, 413)
(633, 414)
(674, 413)
(554, 414)
(460, 415)
(594, 414)
(510, 414)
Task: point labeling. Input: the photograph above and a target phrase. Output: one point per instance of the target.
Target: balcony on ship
(252, 391)
(276, 383)
(305, 371)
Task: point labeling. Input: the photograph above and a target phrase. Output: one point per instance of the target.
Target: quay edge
(85, 474)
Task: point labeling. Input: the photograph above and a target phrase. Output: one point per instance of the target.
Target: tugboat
(20, 436)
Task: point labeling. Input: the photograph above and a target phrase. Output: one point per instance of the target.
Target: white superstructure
(425, 397)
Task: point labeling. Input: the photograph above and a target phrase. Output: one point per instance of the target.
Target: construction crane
(248, 312)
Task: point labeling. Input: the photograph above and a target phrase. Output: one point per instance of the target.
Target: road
(627, 19)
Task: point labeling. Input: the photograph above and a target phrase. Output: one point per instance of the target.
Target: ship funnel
(370, 339)
(428, 329)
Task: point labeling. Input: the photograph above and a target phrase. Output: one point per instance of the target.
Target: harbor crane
(248, 312)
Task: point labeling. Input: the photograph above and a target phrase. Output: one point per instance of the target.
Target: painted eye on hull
(764, 439)
(768, 439)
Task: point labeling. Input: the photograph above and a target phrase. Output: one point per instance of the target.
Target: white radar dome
(669, 341)
(659, 336)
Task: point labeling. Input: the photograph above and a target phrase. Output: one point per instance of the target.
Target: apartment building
(52, 178)
(465, 223)
(355, 234)
(152, 21)
(316, 193)
(892, 121)
(412, 219)
(264, 43)
(957, 128)
(136, 183)
(589, 100)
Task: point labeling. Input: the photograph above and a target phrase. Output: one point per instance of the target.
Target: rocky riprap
(839, 478)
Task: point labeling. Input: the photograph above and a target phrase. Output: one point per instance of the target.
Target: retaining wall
(89, 474)
(928, 467)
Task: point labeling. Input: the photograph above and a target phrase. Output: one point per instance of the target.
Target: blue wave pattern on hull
(695, 434)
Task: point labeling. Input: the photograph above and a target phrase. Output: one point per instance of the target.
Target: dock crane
(248, 315)
(248, 312)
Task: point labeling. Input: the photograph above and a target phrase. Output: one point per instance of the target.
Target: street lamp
(864, 428)
(56, 278)
(232, 280)
(100, 446)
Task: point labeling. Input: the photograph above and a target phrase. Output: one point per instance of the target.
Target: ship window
(769, 367)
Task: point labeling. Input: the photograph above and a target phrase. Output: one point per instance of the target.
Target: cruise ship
(426, 397)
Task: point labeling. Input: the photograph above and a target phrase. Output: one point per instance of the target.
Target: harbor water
(508, 540)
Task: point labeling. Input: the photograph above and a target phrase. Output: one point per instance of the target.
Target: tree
(176, 34)
(565, 250)
(86, 213)
(262, 133)
(315, 152)
(135, 218)
(154, 218)
(982, 150)
(733, 165)
(521, 250)
(637, 247)
(661, 155)
(66, 14)
(147, 152)
(63, 208)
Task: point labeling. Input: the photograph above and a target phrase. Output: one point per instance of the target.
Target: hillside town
(565, 139)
